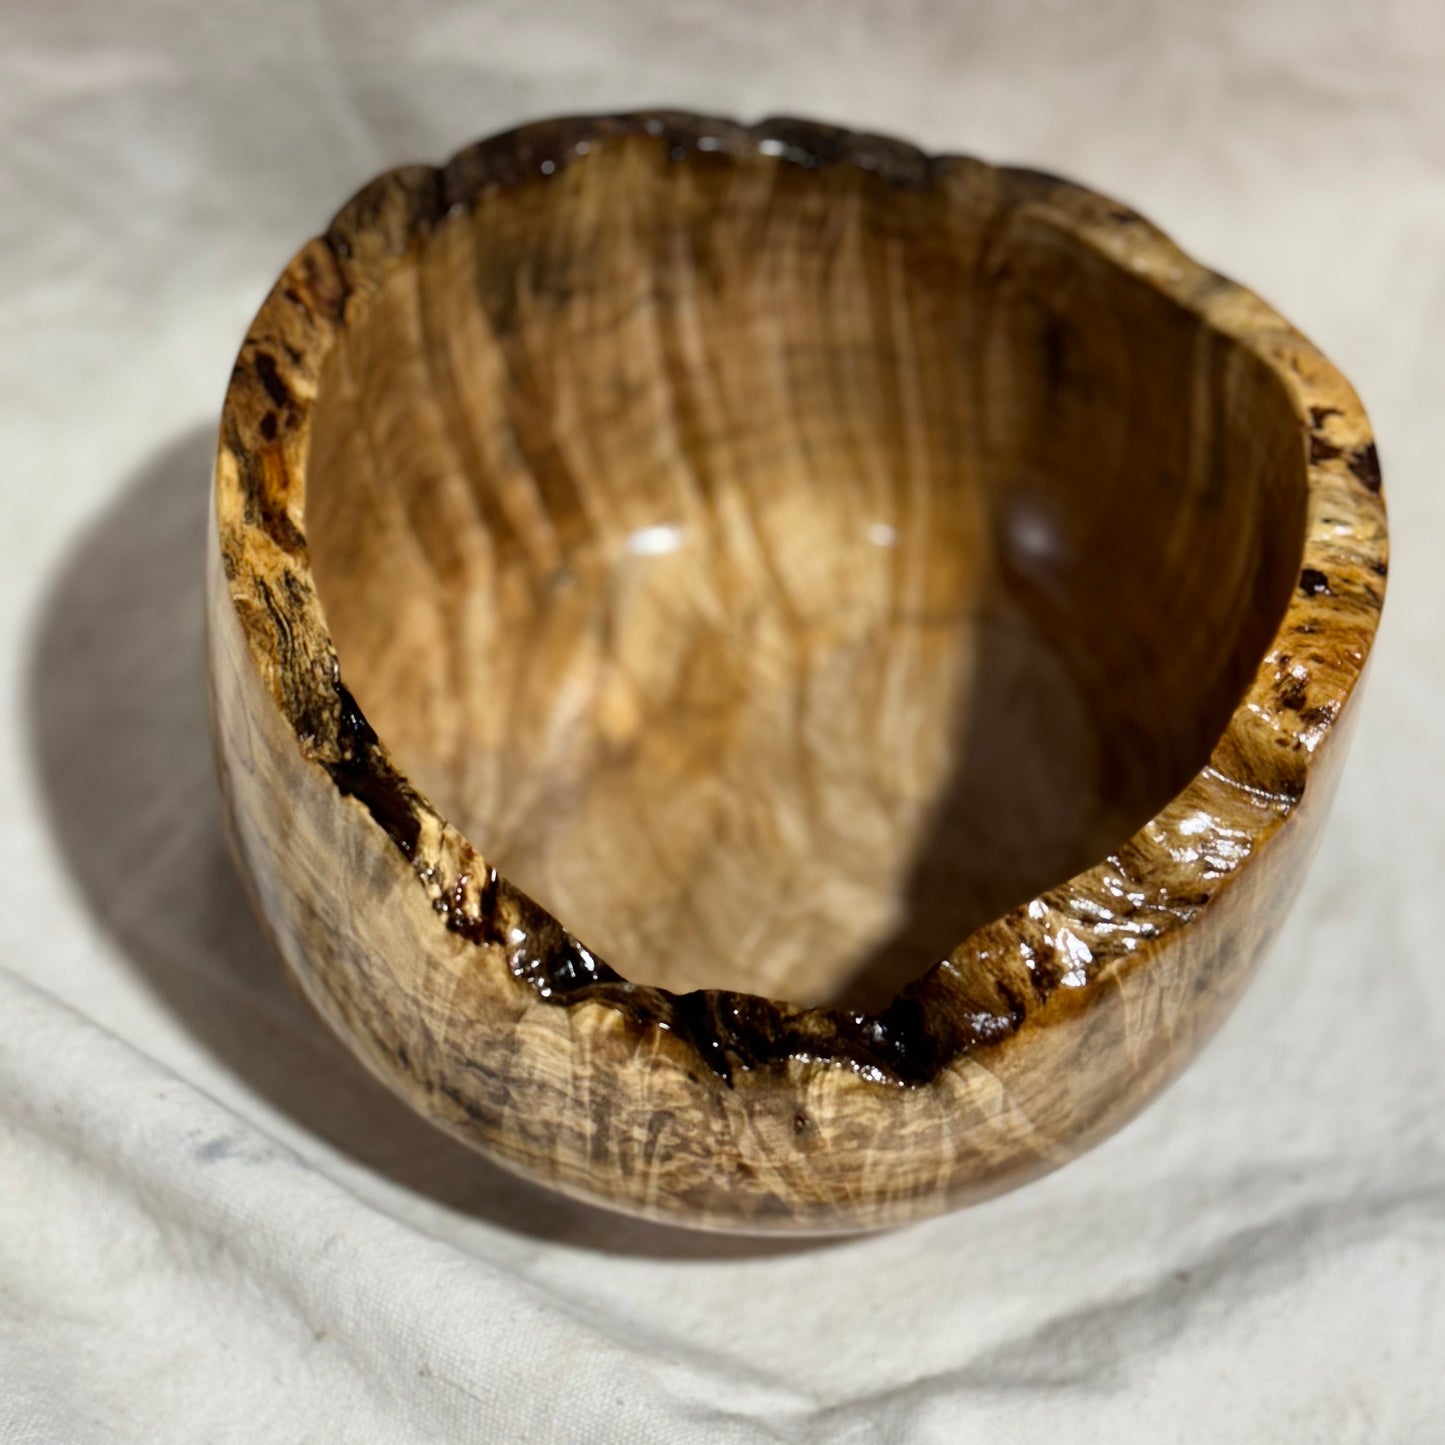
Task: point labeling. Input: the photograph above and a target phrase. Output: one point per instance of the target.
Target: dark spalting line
(1017, 1010)
(480, 927)
(1044, 977)
(261, 508)
(304, 706)
(271, 379)
(1291, 692)
(280, 624)
(1321, 716)
(1364, 463)
(364, 773)
(465, 1104)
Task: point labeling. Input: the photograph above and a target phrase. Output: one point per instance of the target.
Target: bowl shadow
(118, 732)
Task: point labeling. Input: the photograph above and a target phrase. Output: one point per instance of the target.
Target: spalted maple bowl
(770, 680)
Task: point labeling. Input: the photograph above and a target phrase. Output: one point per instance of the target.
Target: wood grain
(770, 680)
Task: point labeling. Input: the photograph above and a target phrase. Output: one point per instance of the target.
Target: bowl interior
(779, 572)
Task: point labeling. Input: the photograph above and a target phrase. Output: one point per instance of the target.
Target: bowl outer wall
(721, 1110)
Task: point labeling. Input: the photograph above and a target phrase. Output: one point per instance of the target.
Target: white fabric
(214, 1227)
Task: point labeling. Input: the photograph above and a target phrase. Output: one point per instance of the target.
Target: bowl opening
(780, 572)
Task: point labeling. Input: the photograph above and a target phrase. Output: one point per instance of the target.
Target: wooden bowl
(769, 680)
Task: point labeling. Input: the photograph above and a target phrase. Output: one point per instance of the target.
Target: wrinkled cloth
(215, 1227)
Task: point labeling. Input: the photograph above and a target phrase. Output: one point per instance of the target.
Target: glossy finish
(899, 613)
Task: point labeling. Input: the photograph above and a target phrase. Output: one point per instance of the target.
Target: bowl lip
(1072, 938)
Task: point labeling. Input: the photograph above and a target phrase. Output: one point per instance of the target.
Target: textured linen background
(214, 1227)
